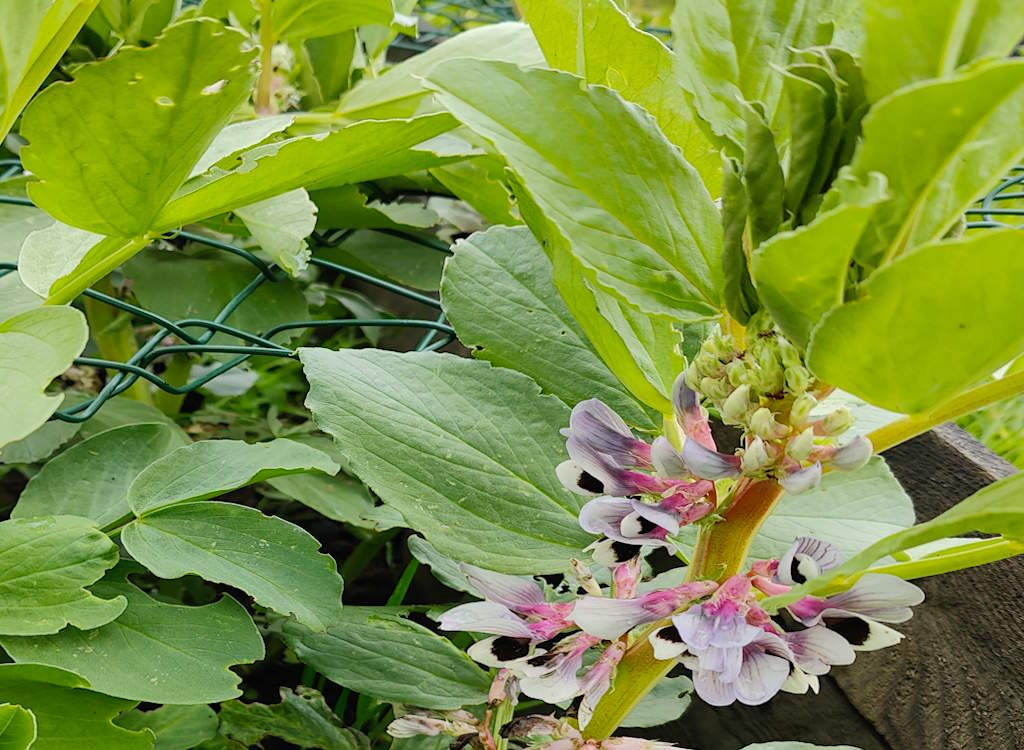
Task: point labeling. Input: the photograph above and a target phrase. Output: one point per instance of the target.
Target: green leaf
(91, 479)
(666, 702)
(17, 727)
(374, 652)
(399, 91)
(328, 67)
(210, 468)
(35, 347)
(946, 35)
(465, 451)
(801, 274)
(40, 444)
(110, 169)
(175, 727)
(45, 564)
(240, 136)
(154, 652)
(928, 325)
(499, 294)
(280, 225)
(17, 222)
(445, 569)
(596, 40)
(941, 145)
(302, 718)
(740, 296)
(589, 180)
(32, 40)
(273, 561)
(121, 410)
(358, 152)
(51, 254)
(303, 19)
(399, 259)
(729, 52)
(348, 206)
(763, 176)
(66, 712)
(480, 182)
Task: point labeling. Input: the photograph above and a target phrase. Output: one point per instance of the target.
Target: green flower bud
(802, 407)
(736, 372)
(755, 457)
(799, 448)
(715, 389)
(763, 424)
(837, 422)
(798, 379)
(737, 405)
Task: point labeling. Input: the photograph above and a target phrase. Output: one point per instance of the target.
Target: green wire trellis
(258, 344)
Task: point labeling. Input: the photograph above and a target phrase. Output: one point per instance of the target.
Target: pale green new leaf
(914, 41)
(154, 652)
(377, 653)
(730, 51)
(210, 468)
(18, 222)
(175, 727)
(596, 40)
(800, 275)
(499, 294)
(304, 19)
(67, 713)
(637, 215)
(270, 559)
(17, 727)
(302, 718)
(53, 252)
(666, 702)
(941, 145)
(91, 479)
(111, 168)
(45, 565)
(465, 451)
(33, 36)
(35, 347)
(280, 225)
(239, 136)
(933, 322)
(399, 91)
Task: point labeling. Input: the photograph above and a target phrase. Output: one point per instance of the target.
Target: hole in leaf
(215, 87)
(165, 101)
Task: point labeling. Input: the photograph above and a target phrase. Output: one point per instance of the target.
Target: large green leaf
(280, 225)
(637, 215)
(18, 222)
(35, 347)
(303, 19)
(944, 34)
(465, 451)
(931, 323)
(273, 561)
(941, 145)
(730, 51)
(374, 652)
(91, 478)
(45, 563)
(33, 36)
(17, 727)
(499, 294)
(215, 467)
(67, 714)
(40, 444)
(175, 727)
(302, 718)
(154, 652)
(399, 91)
(111, 147)
(801, 274)
(596, 40)
(666, 702)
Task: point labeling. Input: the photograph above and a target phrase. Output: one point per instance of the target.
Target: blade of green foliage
(931, 323)
(53, 252)
(596, 40)
(35, 347)
(399, 91)
(45, 563)
(374, 652)
(738, 290)
(327, 72)
(666, 702)
(303, 19)
(480, 182)
(762, 174)
(154, 652)
(356, 153)
(348, 206)
(465, 451)
(33, 36)
(639, 219)
(273, 561)
(499, 294)
(18, 222)
(132, 21)
(729, 51)
(394, 258)
(67, 714)
(444, 569)
(947, 34)
(941, 145)
(210, 468)
(91, 479)
(121, 410)
(111, 147)
(302, 718)
(239, 136)
(280, 225)
(17, 727)
(813, 115)
(39, 444)
(175, 727)
(801, 274)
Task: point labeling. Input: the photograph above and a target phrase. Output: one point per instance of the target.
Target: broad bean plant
(705, 281)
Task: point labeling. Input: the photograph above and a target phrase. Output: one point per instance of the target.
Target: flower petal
(577, 481)
(712, 690)
(603, 515)
(611, 552)
(807, 558)
(667, 643)
(667, 460)
(708, 464)
(876, 597)
(512, 591)
(610, 618)
(501, 651)
(653, 513)
(595, 423)
(484, 617)
(863, 634)
(802, 480)
(817, 649)
(761, 677)
(689, 415)
(854, 454)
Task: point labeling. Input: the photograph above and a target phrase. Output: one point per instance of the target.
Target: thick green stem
(114, 336)
(968, 401)
(264, 105)
(178, 368)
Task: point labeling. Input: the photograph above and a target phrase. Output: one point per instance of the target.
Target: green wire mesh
(1003, 207)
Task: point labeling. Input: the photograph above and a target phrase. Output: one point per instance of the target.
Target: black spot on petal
(623, 552)
(853, 629)
(646, 526)
(670, 634)
(590, 483)
(507, 648)
(794, 570)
